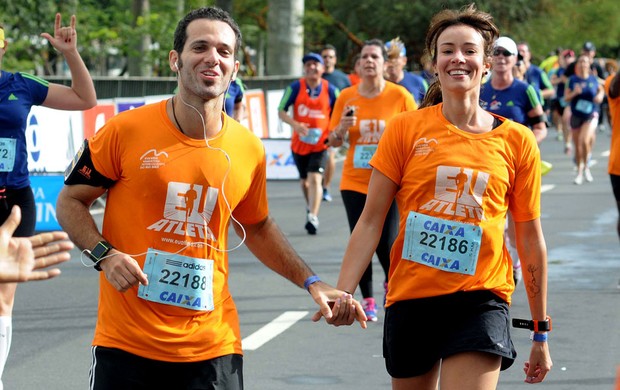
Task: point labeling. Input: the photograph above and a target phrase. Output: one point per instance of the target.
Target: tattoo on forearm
(533, 288)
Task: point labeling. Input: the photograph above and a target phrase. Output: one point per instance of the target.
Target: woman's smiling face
(461, 60)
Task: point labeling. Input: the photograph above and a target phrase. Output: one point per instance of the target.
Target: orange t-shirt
(614, 111)
(354, 78)
(314, 113)
(425, 155)
(154, 166)
(372, 117)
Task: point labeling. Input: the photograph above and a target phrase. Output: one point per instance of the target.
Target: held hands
(338, 307)
(122, 271)
(65, 38)
(21, 259)
(539, 364)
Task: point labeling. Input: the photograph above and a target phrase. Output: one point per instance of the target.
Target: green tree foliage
(107, 32)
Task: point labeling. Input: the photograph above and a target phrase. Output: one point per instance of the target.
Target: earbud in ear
(176, 65)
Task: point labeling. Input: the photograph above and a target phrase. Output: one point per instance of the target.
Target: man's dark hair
(210, 13)
(329, 47)
(379, 43)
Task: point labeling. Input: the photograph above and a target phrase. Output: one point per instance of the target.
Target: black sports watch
(533, 325)
(99, 252)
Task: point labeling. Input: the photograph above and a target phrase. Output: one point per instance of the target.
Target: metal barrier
(121, 87)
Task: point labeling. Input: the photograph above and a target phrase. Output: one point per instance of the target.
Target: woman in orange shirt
(455, 170)
(362, 111)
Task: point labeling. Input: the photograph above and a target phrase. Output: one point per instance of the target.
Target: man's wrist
(99, 253)
(310, 280)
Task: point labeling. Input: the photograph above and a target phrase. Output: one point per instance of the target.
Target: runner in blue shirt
(516, 100)
(233, 102)
(584, 93)
(18, 93)
(397, 60)
(340, 80)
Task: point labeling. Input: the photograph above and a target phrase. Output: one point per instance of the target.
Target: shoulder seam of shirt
(35, 78)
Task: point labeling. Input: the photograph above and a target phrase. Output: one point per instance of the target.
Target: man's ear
(235, 71)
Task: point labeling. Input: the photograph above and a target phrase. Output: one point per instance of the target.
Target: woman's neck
(370, 88)
(465, 113)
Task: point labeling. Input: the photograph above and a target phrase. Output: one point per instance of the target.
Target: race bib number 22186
(442, 244)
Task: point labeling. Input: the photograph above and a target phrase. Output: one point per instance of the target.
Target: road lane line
(546, 187)
(272, 329)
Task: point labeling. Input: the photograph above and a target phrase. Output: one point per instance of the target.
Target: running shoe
(588, 175)
(578, 179)
(370, 309)
(312, 223)
(326, 196)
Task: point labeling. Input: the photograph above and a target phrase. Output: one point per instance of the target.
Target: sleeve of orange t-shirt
(524, 199)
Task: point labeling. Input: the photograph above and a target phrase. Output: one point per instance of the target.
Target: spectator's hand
(22, 259)
(65, 38)
(122, 271)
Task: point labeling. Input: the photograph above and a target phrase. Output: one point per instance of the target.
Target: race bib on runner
(584, 106)
(178, 281)
(8, 146)
(362, 155)
(313, 136)
(442, 244)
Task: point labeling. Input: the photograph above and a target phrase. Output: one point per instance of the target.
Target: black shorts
(419, 332)
(556, 105)
(313, 162)
(577, 121)
(24, 198)
(113, 369)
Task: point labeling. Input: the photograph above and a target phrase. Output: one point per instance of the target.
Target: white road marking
(546, 187)
(272, 329)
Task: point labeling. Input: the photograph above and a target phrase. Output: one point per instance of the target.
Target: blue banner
(46, 189)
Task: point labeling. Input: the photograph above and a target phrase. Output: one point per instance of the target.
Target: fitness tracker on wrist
(533, 325)
(99, 252)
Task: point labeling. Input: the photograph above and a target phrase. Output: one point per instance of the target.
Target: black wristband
(533, 325)
(99, 252)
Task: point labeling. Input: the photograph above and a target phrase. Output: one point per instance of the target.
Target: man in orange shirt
(177, 174)
(312, 99)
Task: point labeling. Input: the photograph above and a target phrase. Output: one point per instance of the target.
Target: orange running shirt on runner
(153, 166)
(614, 111)
(424, 154)
(314, 113)
(372, 117)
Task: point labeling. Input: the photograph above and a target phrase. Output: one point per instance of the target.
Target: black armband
(82, 170)
(536, 120)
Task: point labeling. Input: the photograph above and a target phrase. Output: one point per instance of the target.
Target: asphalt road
(54, 320)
